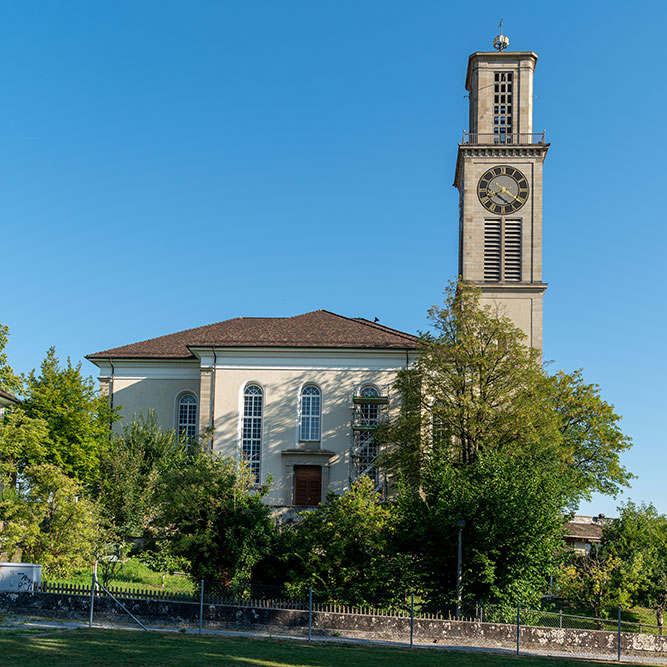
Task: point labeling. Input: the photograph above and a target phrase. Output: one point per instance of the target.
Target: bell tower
(499, 179)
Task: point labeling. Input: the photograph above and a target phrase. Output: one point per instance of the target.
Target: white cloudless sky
(165, 165)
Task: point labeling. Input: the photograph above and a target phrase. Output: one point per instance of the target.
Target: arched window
(311, 406)
(369, 411)
(251, 438)
(187, 416)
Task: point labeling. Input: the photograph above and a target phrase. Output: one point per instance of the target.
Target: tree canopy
(639, 541)
(78, 419)
(345, 550)
(49, 520)
(9, 381)
(512, 539)
(130, 470)
(214, 517)
(477, 387)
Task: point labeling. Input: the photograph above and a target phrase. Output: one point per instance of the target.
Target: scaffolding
(368, 408)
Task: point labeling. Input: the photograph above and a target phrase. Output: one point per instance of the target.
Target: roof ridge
(374, 325)
(310, 331)
(377, 325)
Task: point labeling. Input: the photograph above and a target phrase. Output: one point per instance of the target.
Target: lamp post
(461, 524)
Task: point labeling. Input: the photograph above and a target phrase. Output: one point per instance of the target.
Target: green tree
(598, 580)
(48, 518)
(130, 469)
(78, 419)
(590, 437)
(215, 518)
(477, 387)
(344, 549)
(486, 435)
(639, 541)
(512, 539)
(9, 381)
(23, 442)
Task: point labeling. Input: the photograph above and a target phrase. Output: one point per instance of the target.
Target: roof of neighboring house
(318, 329)
(584, 531)
(6, 398)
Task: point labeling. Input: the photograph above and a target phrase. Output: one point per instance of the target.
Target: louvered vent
(492, 250)
(513, 250)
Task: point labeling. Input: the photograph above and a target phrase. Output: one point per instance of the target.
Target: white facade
(219, 378)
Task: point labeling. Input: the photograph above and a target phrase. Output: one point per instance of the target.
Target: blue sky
(170, 164)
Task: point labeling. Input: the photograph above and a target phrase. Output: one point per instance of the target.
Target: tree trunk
(658, 618)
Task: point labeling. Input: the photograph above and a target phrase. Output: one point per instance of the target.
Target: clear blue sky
(165, 165)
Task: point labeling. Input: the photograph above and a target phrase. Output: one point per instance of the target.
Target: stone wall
(364, 626)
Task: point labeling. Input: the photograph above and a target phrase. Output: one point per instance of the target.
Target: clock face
(502, 190)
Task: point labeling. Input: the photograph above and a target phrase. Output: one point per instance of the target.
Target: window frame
(177, 416)
(310, 417)
(256, 441)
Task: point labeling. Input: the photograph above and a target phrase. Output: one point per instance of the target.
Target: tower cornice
(499, 152)
(500, 57)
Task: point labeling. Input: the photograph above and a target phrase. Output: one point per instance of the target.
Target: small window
(311, 406)
(187, 416)
(251, 438)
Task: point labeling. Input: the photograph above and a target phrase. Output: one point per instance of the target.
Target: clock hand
(504, 190)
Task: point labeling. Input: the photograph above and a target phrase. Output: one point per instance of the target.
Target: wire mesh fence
(312, 613)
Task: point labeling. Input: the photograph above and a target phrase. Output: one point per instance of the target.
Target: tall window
(367, 450)
(187, 416)
(311, 406)
(502, 250)
(502, 107)
(251, 439)
(369, 411)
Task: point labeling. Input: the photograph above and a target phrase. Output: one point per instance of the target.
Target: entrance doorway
(307, 485)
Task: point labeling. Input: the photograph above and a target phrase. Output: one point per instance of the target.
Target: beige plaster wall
(142, 394)
(474, 215)
(282, 389)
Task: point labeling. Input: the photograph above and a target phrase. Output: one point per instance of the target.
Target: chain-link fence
(311, 614)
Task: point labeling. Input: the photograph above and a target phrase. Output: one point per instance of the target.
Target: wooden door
(307, 485)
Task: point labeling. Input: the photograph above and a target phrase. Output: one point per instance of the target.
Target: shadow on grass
(103, 647)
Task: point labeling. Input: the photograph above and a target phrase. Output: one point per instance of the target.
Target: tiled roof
(590, 531)
(9, 397)
(317, 329)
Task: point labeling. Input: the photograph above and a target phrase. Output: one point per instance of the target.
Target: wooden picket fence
(126, 593)
(214, 597)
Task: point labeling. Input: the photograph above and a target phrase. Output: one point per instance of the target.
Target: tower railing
(486, 138)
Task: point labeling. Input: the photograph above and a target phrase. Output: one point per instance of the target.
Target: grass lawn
(104, 647)
(135, 575)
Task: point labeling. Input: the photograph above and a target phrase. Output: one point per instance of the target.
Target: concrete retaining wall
(366, 626)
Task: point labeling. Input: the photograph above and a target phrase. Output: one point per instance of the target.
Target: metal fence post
(412, 617)
(518, 625)
(310, 613)
(560, 618)
(619, 633)
(201, 606)
(92, 600)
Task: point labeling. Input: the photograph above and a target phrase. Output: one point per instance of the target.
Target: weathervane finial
(500, 42)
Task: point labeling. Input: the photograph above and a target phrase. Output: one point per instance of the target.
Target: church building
(298, 397)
